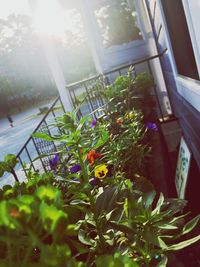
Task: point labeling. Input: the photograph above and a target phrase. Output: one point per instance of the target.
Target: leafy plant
(94, 207)
(147, 229)
(8, 165)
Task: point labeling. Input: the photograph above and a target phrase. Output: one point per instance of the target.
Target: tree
(117, 23)
(24, 65)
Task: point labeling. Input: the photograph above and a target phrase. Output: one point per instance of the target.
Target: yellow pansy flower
(130, 115)
(100, 171)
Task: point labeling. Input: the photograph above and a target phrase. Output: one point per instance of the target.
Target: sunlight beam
(50, 19)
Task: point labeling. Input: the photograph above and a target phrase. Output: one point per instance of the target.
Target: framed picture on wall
(182, 168)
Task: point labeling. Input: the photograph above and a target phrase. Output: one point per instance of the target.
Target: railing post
(15, 175)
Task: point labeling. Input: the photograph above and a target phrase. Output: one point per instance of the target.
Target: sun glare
(51, 19)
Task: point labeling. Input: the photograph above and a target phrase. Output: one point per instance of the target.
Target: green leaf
(25, 210)
(161, 243)
(110, 199)
(9, 193)
(148, 198)
(49, 193)
(2, 168)
(43, 136)
(184, 244)
(178, 218)
(190, 225)
(165, 226)
(5, 217)
(68, 120)
(142, 184)
(83, 238)
(82, 122)
(102, 140)
(109, 215)
(78, 202)
(123, 228)
(72, 230)
(129, 184)
(10, 162)
(159, 204)
(51, 216)
(82, 249)
(174, 205)
(152, 238)
(125, 206)
(163, 262)
(53, 255)
(26, 199)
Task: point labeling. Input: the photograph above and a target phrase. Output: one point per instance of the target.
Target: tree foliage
(25, 77)
(117, 23)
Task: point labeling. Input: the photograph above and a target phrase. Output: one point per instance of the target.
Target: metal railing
(88, 93)
(36, 147)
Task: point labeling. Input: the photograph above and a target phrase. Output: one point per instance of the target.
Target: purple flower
(93, 123)
(54, 162)
(75, 168)
(152, 126)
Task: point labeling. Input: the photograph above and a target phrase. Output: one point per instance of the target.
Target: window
(118, 22)
(180, 38)
(194, 9)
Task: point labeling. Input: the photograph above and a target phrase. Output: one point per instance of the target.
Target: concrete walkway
(13, 138)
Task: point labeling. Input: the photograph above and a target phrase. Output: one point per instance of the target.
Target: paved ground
(13, 138)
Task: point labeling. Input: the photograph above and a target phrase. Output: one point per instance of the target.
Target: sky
(8, 7)
(42, 20)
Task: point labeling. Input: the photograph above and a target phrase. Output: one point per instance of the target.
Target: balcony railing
(35, 147)
(89, 90)
(87, 100)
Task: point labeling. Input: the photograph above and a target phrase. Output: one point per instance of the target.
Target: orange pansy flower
(14, 212)
(92, 155)
(119, 121)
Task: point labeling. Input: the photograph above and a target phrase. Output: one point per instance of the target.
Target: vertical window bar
(90, 101)
(29, 156)
(63, 108)
(39, 154)
(21, 162)
(47, 127)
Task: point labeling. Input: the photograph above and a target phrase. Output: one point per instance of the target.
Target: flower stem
(84, 171)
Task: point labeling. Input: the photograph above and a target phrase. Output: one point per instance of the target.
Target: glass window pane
(180, 38)
(117, 22)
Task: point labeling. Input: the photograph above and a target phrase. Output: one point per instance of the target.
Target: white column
(93, 33)
(54, 65)
(57, 74)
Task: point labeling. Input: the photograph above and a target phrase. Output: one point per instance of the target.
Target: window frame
(141, 25)
(192, 31)
(187, 87)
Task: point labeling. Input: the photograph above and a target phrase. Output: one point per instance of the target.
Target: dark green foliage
(63, 219)
(8, 164)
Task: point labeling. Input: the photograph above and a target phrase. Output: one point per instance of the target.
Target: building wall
(185, 100)
(184, 96)
(107, 57)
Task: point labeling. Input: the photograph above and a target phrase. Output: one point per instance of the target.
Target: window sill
(189, 89)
